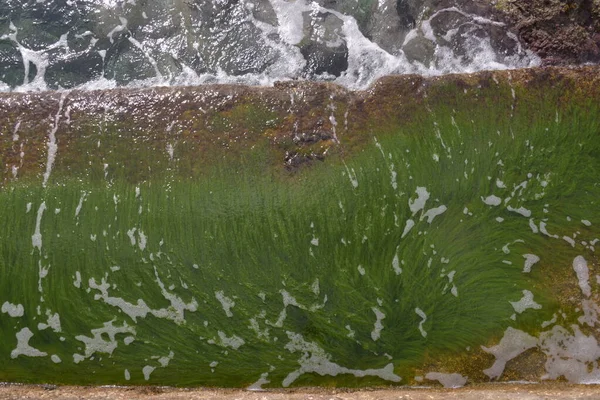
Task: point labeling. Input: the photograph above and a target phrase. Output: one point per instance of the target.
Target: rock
(362, 11)
(203, 36)
(475, 32)
(444, 22)
(263, 11)
(228, 41)
(560, 32)
(389, 24)
(419, 49)
(44, 28)
(133, 40)
(323, 46)
(128, 41)
(12, 65)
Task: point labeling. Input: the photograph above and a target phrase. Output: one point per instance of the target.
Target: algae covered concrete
(110, 164)
(132, 133)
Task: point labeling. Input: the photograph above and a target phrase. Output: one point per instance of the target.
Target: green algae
(315, 251)
(321, 252)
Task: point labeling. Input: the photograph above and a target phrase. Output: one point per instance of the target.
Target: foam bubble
(583, 275)
(530, 261)
(447, 380)
(13, 310)
(513, 343)
(315, 360)
(378, 326)
(226, 302)
(492, 200)
(23, 348)
(525, 303)
(419, 203)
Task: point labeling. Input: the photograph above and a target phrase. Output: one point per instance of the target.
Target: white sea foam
(434, 212)
(419, 203)
(423, 316)
(530, 261)
(521, 210)
(175, 313)
(233, 341)
(147, 371)
(447, 380)
(396, 264)
(77, 281)
(226, 302)
(36, 238)
(513, 343)
(23, 348)
(52, 144)
(315, 360)
(258, 385)
(580, 267)
(13, 310)
(52, 322)
(572, 355)
(409, 225)
(525, 303)
(492, 200)
(378, 326)
(103, 340)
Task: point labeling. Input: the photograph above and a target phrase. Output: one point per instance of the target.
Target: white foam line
(378, 326)
(421, 314)
(36, 238)
(583, 275)
(52, 146)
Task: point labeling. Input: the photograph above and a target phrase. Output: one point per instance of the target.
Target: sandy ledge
(477, 392)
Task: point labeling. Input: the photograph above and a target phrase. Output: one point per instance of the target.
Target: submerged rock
(420, 49)
(65, 44)
(389, 25)
(323, 46)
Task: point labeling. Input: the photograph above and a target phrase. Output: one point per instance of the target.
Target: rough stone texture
(561, 32)
(484, 392)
